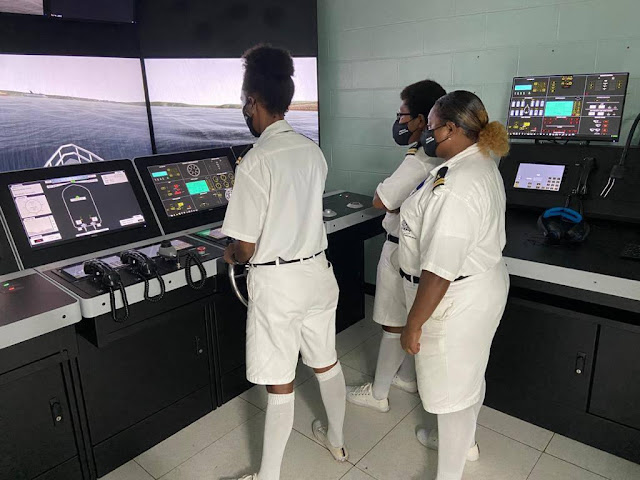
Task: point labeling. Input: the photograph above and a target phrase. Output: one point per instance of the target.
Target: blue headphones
(563, 224)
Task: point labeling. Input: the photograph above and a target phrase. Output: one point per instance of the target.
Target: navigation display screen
(536, 176)
(194, 186)
(67, 209)
(582, 106)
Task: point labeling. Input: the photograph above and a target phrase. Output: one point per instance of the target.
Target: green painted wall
(370, 49)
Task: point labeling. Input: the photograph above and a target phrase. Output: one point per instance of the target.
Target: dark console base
(119, 449)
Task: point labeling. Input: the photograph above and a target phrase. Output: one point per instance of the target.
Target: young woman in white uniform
(455, 280)
(275, 213)
(389, 310)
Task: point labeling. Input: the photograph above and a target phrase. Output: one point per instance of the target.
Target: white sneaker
(409, 387)
(249, 477)
(320, 432)
(429, 439)
(363, 397)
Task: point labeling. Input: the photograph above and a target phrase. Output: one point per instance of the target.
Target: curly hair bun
(269, 61)
(494, 138)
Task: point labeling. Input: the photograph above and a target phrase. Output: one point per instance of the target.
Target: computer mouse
(327, 212)
(354, 205)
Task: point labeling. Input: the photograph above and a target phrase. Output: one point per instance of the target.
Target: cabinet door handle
(199, 349)
(56, 411)
(581, 360)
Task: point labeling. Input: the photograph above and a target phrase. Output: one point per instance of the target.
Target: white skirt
(389, 307)
(456, 340)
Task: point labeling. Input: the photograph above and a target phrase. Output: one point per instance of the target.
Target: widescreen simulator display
(196, 186)
(29, 7)
(587, 107)
(69, 208)
(60, 110)
(537, 176)
(195, 103)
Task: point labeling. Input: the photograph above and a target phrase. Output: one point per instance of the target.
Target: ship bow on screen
(57, 110)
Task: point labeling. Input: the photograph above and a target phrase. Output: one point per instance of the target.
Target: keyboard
(632, 251)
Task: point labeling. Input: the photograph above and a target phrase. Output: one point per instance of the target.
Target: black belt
(285, 262)
(392, 239)
(416, 280)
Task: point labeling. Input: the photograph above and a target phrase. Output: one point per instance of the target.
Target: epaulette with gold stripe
(413, 149)
(440, 177)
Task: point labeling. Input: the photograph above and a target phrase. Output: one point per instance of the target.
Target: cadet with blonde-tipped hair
(455, 280)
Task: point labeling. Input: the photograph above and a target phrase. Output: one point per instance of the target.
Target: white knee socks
(390, 358)
(407, 370)
(277, 429)
(456, 433)
(334, 396)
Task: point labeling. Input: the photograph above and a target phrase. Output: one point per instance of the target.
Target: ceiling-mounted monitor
(27, 7)
(114, 11)
(569, 107)
(195, 103)
(57, 110)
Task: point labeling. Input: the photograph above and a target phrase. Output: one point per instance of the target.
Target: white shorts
(456, 340)
(389, 306)
(292, 310)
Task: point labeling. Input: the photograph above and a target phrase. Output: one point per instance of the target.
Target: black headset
(563, 224)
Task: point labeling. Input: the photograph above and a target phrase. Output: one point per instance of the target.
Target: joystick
(167, 250)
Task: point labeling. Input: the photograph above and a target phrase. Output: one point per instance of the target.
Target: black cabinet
(144, 387)
(616, 383)
(38, 431)
(541, 352)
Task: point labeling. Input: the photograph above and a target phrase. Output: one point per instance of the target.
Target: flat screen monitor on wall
(28, 7)
(575, 107)
(117, 11)
(62, 110)
(195, 103)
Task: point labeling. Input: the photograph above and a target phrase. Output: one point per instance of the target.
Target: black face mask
(429, 142)
(401, 133)
(249, 120)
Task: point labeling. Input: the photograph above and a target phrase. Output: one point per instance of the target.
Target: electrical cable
(618, 169)
(158, 297)
(192, 259)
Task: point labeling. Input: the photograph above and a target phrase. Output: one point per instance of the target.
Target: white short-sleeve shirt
(396, 189)
(454, 224)
(277, 197)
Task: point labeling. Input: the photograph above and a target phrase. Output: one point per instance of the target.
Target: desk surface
(599, 254)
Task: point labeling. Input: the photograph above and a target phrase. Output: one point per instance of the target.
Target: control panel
(189, 189)
(587, 107)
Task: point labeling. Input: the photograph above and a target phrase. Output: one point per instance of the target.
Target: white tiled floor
(227, 442)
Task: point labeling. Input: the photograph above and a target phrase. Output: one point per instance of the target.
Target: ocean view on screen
(59, 110)
(195, 103)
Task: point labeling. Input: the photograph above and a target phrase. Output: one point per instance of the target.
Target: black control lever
(168, 251)
(105, 275)
(146, 268)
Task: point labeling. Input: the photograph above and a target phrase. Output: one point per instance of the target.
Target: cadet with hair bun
(455, 279)
(275, 213)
